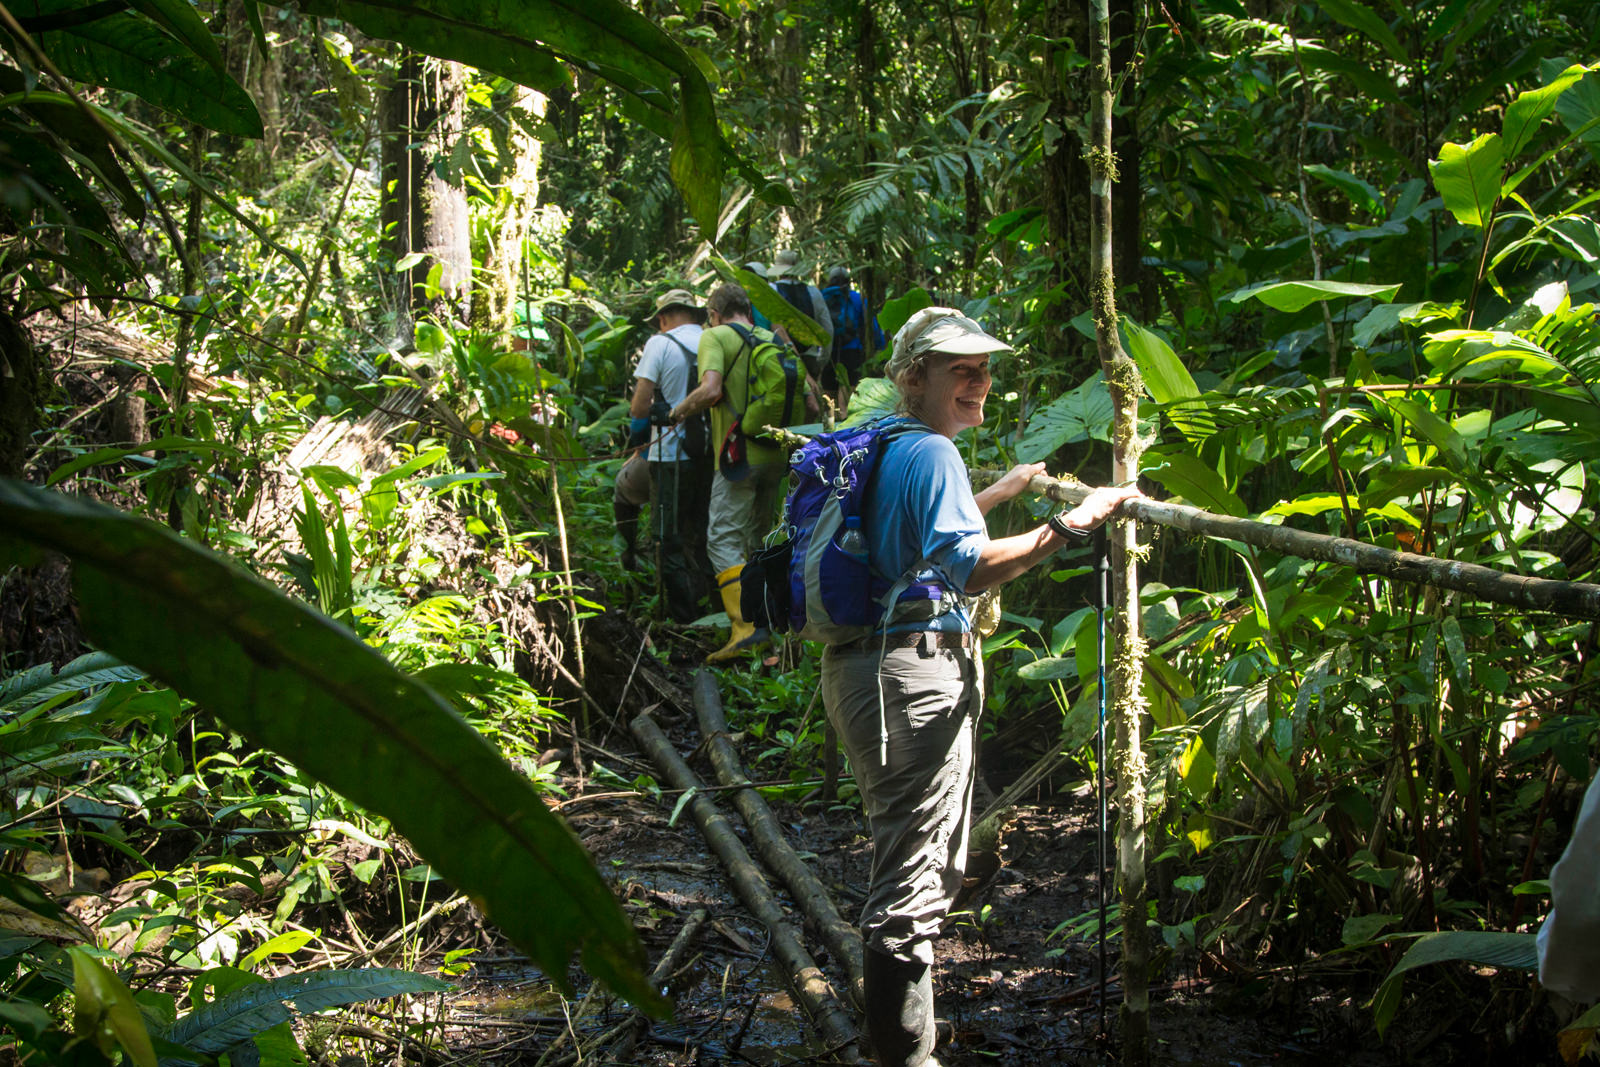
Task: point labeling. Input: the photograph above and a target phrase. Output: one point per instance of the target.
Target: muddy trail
(1017, 980)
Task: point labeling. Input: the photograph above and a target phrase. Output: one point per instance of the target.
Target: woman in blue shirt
(906, 700)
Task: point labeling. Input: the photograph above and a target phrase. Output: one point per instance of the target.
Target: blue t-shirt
(921, 508)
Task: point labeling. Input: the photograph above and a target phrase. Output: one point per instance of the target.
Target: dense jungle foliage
(316, 333)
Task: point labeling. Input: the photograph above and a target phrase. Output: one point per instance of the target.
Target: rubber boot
(626, 516)
(899, 1010)
(744, 635)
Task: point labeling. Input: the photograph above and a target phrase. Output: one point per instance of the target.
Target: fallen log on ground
(811, 987)
(809, 894)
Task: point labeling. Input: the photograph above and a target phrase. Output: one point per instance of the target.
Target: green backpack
(773, 394)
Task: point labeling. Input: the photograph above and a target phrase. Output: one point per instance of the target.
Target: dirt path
(1013, 990)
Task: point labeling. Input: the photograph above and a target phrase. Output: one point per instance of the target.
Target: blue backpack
(846, 318)
(817, 580)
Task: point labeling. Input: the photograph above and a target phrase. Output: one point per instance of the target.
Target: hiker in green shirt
(749, 473)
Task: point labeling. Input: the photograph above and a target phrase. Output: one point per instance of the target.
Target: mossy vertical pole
(1124, 690)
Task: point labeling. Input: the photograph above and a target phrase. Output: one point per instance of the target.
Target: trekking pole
(1102, 570)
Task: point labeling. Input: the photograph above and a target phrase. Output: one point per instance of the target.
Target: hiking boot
(899, 1010)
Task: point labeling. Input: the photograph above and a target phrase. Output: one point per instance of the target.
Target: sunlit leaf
(1530, 108)
(1296, 296)
(1468, 177)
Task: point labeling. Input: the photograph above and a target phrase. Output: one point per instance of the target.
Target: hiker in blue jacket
(856, 335)
(906, 700)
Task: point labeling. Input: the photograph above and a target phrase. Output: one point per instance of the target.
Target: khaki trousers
(918, 801)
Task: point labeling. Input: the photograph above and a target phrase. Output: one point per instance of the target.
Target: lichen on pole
(1124, 691)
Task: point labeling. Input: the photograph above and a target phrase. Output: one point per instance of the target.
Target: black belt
(928, 639)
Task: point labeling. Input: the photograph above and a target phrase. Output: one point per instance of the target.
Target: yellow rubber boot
(744, 635)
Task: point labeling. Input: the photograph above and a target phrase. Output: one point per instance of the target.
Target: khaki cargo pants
(918, 802)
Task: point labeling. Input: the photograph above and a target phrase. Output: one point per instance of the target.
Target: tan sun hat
(675, 298)
(785, 264)
(939, 329)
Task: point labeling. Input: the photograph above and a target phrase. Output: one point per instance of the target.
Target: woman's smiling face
(950, 395)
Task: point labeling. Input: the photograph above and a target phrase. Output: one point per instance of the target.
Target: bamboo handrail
(1574, 599)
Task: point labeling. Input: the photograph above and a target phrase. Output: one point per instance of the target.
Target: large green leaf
(129, 52)
(1531, 108)
(696, 162)
(1081, 415)
(1359, 16)
(1361, 192)
(1167, 379)
(1296, 296)
(895, 312)
(771, 303)
(295, 682)
(1489, 948)
(1185, 475)
(84, 139)
(1468, 177)
(258, 1005)
(1579, 107)
(38, 684)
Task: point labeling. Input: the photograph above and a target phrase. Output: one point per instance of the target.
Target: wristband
(1058, 526)
(638, 431)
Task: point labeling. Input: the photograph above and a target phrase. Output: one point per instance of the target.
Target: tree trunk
(495, 295)
(1123, 690)
(1128, 238)
(868, 268)
(424, 113)
(19, 396)
(1064, 182)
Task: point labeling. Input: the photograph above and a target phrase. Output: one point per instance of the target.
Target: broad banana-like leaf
(38, 684)
(519, 39)
(297, 683)
(1472, 946)
(1358, 16)
(1531, 108)
(66, 121)
(1297, 296)
(771, 303)
(1166, 378)
(259, 1005)
(129, 52)
(1468, 177)
(1081, 415)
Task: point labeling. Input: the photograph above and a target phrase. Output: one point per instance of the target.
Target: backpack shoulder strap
(690, 357)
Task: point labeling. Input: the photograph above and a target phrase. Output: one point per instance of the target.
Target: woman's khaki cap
(675, 298)
(939, 329)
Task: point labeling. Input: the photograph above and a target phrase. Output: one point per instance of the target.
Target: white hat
(939, 329)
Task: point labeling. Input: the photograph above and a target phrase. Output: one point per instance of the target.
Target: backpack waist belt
(911, 639)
